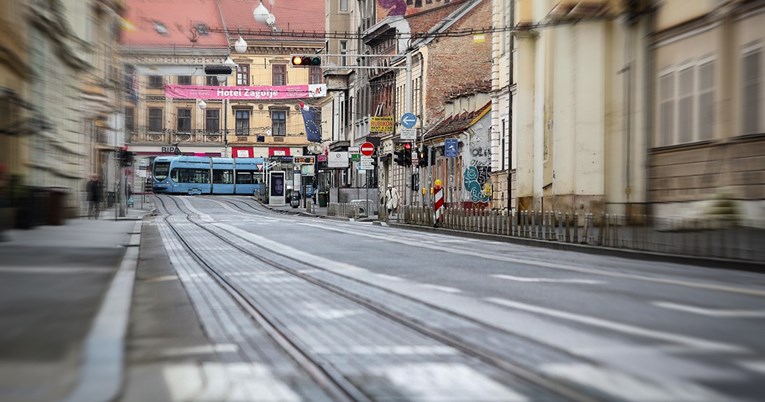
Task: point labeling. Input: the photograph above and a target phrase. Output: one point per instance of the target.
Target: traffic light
(407, 154)
(218, 70)
(305, 61)
(125, 157)
(424, 154)
(400, 160)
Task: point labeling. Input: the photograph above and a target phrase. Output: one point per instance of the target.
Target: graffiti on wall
(477, 184)
(477, 164)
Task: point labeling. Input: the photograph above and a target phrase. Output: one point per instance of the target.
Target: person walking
(391, 197)
(94, 197)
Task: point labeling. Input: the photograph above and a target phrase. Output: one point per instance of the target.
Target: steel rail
(324, 374)
(558, 387)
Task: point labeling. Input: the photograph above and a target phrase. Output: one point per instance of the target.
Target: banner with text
(263, 92)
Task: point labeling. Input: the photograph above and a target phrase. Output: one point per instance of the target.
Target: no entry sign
(367, 149)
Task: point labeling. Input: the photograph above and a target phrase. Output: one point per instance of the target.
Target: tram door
(276, 189)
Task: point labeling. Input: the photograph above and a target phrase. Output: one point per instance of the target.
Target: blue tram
(207, 175)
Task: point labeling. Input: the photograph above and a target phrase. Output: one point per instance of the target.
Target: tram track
(333, 381)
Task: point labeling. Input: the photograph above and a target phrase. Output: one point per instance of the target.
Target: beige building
(502, 87)
(708, 109)
(579, 135)
(60, 77)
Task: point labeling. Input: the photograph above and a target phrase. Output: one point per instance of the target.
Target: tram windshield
(161, 169)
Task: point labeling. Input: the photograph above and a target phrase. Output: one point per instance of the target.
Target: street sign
(451, 147)
(381, 124)
(408, 133)
(367, 149)
(366, 163)
(337, 160)
(415, 158)
(408, 120)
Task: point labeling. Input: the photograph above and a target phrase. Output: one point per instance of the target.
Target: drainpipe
(510, 114)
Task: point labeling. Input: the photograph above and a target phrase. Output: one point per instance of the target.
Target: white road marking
(226, 382)
(756, 366)
(711, 312)
(440, 288)
(623, 328)
(162, 278)
(390, 277)
(544, 264)
(446, 382)
(55, 270)
(549, 280)
(399, 350)
(183, 381)
(200, 350)
(628, 387)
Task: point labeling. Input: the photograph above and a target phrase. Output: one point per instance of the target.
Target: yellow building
(254, 111)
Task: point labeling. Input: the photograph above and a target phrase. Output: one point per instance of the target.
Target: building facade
(578, 116)
(502, 88)
(61, 78)
(707, 142)
(254, 111)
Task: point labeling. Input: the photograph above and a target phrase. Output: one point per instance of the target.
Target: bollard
(586, 234)
(567, 237)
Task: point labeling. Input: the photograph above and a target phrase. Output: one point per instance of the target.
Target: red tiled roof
(178, 17)
(425, 20)
(458, 123)
(291, 15)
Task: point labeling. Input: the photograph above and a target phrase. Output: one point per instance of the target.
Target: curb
(101, 375)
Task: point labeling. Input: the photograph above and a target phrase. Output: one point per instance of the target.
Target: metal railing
(701, 237)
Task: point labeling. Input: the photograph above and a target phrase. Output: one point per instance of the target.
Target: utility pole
(409, 90)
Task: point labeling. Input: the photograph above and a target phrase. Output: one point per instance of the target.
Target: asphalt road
(616, 329)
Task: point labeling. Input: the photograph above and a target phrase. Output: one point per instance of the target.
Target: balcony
(141, 136)
(145, 137)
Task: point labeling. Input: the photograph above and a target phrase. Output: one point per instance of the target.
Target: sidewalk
(62, 305)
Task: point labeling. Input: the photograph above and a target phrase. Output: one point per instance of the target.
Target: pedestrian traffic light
(304, 61)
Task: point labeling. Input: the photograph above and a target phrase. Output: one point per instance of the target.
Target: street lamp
(260, 13)
(240, 46)
(202, 104)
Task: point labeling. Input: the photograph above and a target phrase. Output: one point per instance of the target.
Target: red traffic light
(407, 145)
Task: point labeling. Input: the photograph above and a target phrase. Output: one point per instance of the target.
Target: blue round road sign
(408, 120)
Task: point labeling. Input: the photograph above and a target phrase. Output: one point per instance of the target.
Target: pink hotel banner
(246, 93)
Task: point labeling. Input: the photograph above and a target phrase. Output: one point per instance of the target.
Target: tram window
(174, 175)
(197, 176)
(160, 170)
(201, 176)
(258, 178)
(243, 178)
(223, 176)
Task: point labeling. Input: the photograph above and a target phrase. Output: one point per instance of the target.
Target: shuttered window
(752, 107)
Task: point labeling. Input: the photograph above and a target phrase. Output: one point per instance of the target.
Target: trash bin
(295, 199)
(56, 204)
(323, 197)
